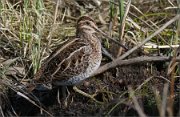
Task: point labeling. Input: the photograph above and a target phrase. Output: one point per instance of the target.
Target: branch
(150, 37)
(120, 62)
(142, 59)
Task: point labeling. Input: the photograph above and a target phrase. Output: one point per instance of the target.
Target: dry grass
(31, 29)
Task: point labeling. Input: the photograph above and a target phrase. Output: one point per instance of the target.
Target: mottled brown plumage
(74, 60)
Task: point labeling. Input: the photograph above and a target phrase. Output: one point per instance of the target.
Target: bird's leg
(64, 92)
(58, 98)
(63, 95)
(86, 94)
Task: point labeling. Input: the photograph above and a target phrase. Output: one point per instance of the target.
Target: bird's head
(86, 24)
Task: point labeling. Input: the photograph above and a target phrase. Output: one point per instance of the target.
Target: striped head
(86, 24)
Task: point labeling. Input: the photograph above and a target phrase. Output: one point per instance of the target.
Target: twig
(106, 53)
(86, 94)
(160, 46)
(53, 27)
(164, 100)
(149, 38)
(136, 104)
(115, 106)
(171, 74)
(112, 39)
(141, 59)
(119, 61)
(23, 94)
(158, 100)
(149, 25)
(145, 82)
(123, 26)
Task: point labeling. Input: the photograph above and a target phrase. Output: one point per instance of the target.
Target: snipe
(74, 60)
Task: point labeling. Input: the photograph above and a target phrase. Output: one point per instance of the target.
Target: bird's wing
(67, 61)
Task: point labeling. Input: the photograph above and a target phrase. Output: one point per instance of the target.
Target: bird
(74, 60)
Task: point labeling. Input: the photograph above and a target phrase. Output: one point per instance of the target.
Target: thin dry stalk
(150, 26)
(150, 37)
(22, 93)
(160, 46)
(164, 100)
(136, 104)
(49, 37)
(118, 61)
(123, 26)
(141, 59)
(161, 103)
(171, 73)
(158, 100)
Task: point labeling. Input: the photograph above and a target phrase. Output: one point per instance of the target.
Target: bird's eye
(87, 23)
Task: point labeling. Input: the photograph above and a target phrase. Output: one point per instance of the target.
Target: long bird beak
(105, 35)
